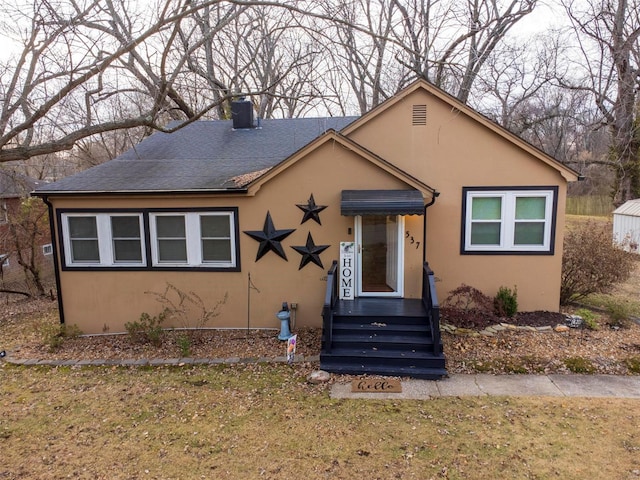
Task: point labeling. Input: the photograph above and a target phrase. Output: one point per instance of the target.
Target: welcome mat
(376, 386)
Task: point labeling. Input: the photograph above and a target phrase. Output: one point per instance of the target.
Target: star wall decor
(311, 210)
(270, 238)
(310, 252)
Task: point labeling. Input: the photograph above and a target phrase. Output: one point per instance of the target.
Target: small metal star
(310, 252)
(270, 238)
(311, 210)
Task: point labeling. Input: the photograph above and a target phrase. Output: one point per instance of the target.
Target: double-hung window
(508, 221)
(150, 239)
(103, 239)
(193, 239)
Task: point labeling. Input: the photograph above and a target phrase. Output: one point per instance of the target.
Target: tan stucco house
(257, 211)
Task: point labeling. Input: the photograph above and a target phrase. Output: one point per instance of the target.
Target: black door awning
(381, 202)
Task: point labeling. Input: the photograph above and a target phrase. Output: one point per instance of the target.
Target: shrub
(187, 308)
(505, 302)
(633, 364)
(591, 262)
(147, 330)
(53, 335)
(579, 365)
(589, 318)
(468, 307)
(184, 344)
(619, 313)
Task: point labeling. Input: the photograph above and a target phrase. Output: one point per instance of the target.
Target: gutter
(109, 193)
(54, 245)
(436, 194)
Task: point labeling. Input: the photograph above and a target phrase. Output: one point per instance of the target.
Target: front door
(380, 255)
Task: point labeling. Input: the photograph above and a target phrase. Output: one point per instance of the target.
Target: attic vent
(419, 115)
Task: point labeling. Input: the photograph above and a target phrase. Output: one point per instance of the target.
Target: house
(257, 211)
(14, 188)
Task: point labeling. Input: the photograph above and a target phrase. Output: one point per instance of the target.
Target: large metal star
(311, 210)
(310, 252)
(270, 238)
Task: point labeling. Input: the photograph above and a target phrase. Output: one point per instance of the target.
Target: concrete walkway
(600, 386)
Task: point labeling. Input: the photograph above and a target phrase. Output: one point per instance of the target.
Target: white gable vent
(419, 115)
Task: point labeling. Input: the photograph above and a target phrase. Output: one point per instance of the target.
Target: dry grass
(265, 421)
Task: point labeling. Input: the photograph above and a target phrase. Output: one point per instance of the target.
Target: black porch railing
(330, 299)
(430, 302)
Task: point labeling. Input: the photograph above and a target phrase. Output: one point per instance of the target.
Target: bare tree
(78, 58)
(448, 43)
(89, 67)
(261, 49)
(608, 35)
(397, 41)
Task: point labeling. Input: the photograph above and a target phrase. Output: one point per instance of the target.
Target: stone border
(155, 362)
(491, 330)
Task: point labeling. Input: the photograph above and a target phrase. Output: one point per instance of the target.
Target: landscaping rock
(561, 328)
(319, 376)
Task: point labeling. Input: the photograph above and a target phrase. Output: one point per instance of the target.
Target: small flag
(291, 348)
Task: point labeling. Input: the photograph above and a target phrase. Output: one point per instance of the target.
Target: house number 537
(412, 240)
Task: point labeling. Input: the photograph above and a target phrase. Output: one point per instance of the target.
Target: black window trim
(554, 216)
(149, 267)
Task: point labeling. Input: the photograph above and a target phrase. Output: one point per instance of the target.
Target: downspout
(54, 245)
(436, 194)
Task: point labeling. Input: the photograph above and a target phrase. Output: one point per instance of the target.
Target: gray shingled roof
(204, 155)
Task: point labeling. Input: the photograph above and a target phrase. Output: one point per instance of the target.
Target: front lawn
(266, 421)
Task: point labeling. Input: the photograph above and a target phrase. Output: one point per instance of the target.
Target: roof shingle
(205, 155)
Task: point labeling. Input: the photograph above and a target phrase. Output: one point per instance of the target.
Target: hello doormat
(376, 386)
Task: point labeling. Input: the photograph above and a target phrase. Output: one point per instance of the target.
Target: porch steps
(384, 338)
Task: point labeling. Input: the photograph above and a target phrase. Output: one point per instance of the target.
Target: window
(171, 237)
(47, 249)
(166, 239)
(103, 239)
(508, 221)
(193, 239)
(127, 242)
(215, 233)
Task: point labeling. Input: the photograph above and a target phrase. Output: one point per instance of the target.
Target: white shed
(626, 225)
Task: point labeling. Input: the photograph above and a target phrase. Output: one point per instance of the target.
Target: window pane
(127, 251)
(83, 227)
(486, 208)
(85, 251)
(170, 226)
(125, 227)
(485, 233)
(530, 208)
(216, 250)
(215, 226)
(172, 251)
(529, 233)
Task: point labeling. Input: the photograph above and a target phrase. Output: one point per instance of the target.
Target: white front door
(380, 253)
